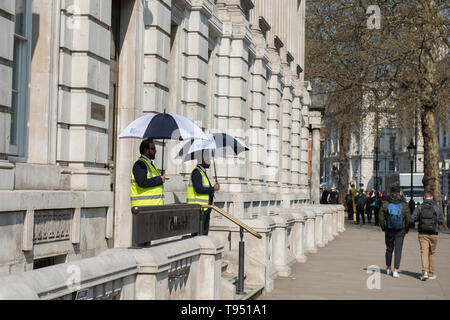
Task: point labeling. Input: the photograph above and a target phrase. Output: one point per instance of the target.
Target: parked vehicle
(404, 180)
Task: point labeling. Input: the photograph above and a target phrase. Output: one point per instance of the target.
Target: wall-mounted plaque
(98, 111)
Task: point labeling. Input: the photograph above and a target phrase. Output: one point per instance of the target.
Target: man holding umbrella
(200, 191)
(146, 186)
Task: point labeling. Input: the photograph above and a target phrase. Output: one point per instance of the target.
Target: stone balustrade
(184, 269)
(310, 227)
(188, 268)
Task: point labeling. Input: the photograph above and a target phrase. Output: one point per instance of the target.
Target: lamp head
(411, 148)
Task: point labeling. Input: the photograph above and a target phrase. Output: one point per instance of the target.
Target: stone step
(232, 277)
(251, 292)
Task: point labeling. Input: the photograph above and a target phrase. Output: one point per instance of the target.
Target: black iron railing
(242, 227)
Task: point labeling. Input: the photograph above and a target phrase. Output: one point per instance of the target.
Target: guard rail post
(240, 287)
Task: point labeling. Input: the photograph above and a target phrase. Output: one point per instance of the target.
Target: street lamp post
(411, 151)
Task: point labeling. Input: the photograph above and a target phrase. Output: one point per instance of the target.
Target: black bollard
(240, 286)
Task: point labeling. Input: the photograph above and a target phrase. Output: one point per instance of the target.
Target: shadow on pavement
(411, 274)
(414, 275)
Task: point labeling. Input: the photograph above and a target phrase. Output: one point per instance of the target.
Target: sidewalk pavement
(338, 271)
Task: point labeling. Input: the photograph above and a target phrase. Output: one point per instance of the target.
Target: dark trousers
(377, 212)
(205, 222)
(394, 242)
(360, 212)
(350, 212)
(369, 212)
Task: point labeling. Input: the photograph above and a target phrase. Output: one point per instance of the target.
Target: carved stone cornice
(278, 43)
(289, 57)
(216, 26)
(247, 4)
(299, 70)
(206, 7)
(264, 26)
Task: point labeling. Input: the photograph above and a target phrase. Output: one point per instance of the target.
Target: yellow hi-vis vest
(198, 198)
(153, 196)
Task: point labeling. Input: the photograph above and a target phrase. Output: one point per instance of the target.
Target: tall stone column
(274, 96)
(130, 99)
(315, 166)
(258, 108)
(304, 145)
(188, 79)
(233, 76)
(286, 124)
(296, 137)
(315, 119)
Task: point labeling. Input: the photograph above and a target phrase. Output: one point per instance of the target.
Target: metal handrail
(242, 226)
(234, 220)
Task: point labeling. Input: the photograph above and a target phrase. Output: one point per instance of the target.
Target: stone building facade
(74, 73)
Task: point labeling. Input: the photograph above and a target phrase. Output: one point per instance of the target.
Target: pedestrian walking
(370, 205)
(325, 194)
(394, 218)
(361, 202)
(378, 202)
(430, 216)
(349, 204)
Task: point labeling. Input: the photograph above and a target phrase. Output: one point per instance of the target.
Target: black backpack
(428, 218)
(361, 201)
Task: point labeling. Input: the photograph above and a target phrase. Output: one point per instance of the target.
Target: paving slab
(339, 271)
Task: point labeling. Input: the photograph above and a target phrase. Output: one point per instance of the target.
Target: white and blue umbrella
(163, 126)
(218, 145)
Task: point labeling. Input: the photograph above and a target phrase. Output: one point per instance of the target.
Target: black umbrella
(220, 145)
(163, 126)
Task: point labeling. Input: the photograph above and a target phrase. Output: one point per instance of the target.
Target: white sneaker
(433, 277)
(388, 272)
(424, 277)
(395, 274)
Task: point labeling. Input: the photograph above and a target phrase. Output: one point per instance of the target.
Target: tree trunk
(431, 180)
(344, 142)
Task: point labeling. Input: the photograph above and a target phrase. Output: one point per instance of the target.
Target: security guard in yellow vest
(200, 191)
(146, 186)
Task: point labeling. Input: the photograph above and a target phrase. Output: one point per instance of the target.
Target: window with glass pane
(21, 76)
(391, 166)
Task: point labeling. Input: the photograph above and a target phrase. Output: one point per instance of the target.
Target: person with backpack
(430, 216)
(394, 218)
(361, 202)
